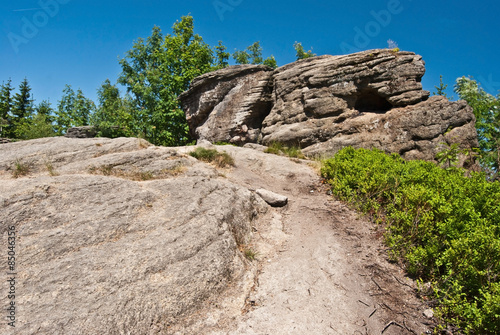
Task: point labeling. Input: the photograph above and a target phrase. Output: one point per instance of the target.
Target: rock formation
(118, 237)
(229, 104)
(368, 99)
(81, 132)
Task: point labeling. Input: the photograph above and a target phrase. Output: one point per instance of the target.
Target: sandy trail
(321, 268)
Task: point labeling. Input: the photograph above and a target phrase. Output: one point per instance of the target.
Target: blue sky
(76, 42)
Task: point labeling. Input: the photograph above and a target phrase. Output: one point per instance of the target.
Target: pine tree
(221, 56)
(5, 109)
(22, 108)
(441, 89)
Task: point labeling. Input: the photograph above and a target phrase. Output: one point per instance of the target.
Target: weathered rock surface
(229, 105)
(117, 236)
(368, 99)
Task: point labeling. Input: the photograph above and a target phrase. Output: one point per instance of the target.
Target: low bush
(443, 224)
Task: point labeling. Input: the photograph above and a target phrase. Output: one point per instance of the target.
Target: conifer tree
(5, 109)
(22, 108)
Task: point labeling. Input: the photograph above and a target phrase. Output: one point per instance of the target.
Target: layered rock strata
(368, 99)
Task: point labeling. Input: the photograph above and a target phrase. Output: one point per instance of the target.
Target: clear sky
(77, 42)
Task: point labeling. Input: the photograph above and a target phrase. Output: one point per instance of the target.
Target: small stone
(428, 313)
(273, 199)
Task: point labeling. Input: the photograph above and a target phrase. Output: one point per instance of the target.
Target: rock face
(229, 105)
(368, 99)
(117, 236)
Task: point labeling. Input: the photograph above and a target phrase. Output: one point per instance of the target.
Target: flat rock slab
(273, 199)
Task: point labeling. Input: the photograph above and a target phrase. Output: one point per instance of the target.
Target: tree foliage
(253, 55)
(156, 70)
(6, 126)
(114, 114)
(73, 110)
(487, 112)
(441, 89)
(221, 56)
(22, 108)
(300, 53)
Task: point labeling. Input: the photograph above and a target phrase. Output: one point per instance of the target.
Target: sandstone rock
(81, 132)
(5, 140)
(273, 199)
(229, 105)
(368, 99)
(414, 132)
(124, 237)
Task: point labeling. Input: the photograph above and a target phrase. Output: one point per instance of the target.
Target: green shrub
(443, 225)
(220, 159)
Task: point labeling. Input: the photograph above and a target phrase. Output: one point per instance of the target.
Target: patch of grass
(225, 143)
(274, 148)
(137, 175)
(220, 159)
(175, 171)
(106, 170)
(50, 169)
(21, 169)
(278, 148)
(294, 152)
(250, 254)
(146, 175)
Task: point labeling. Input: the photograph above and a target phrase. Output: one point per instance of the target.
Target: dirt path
(322, 270)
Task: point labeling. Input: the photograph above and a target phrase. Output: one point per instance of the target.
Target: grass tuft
(278, 148)
(21, 169)
(220, 159)
(50, 169)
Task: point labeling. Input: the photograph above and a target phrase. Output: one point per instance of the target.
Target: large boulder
(81, 132)
(118, 236)
(368, 99)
